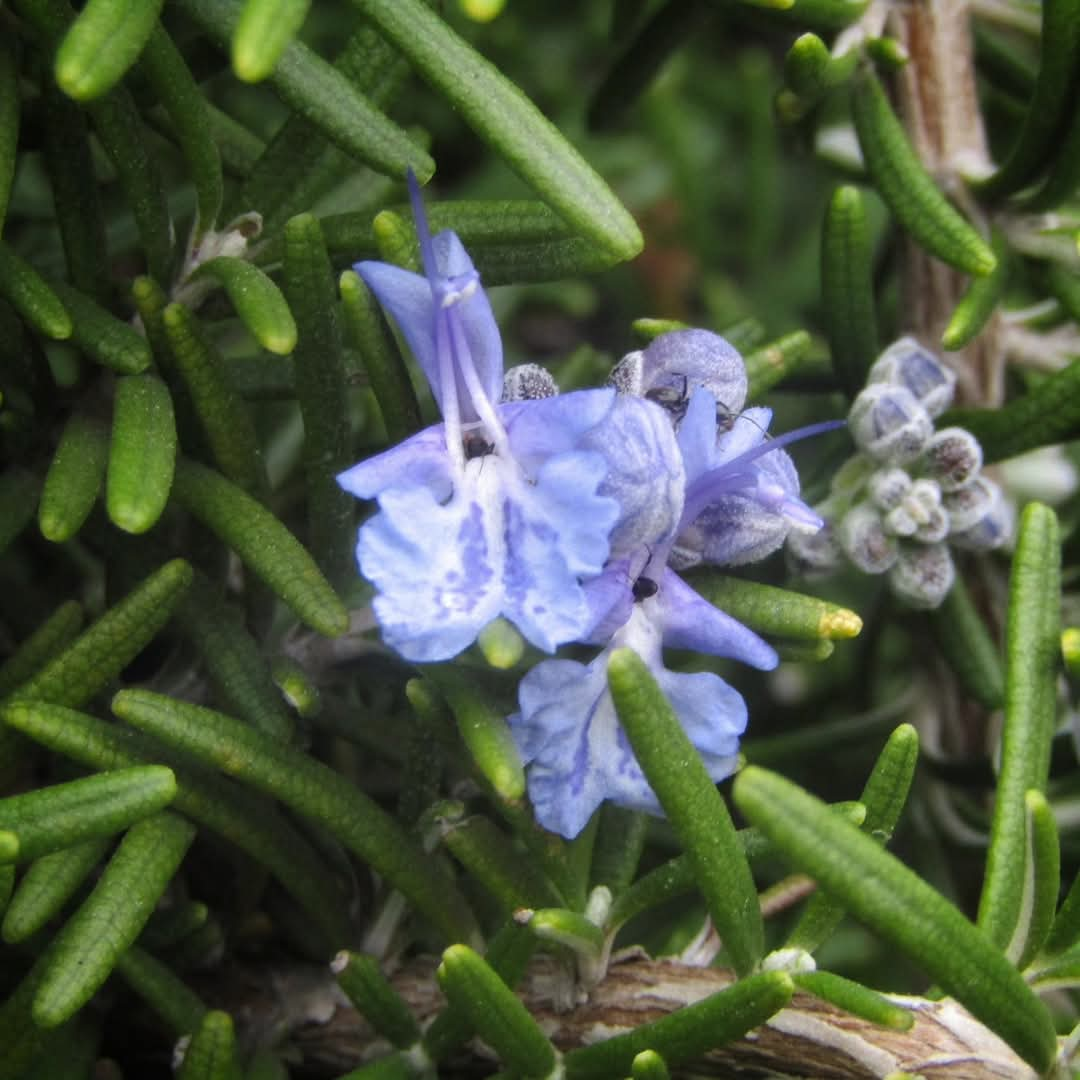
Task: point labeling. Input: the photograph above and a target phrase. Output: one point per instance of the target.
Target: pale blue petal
(421, 460)
(544, 427)
(690, 622)
(645, 472)
(697, 435)
(611, 600)
(438, 568)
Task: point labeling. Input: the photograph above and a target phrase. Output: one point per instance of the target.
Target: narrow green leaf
(620, 840)
(490, 858)
(263, 32)
(1048, 414)
(102, 43)
(847, 287)
(211, 1054)
(32, 653)
(102, 336)
(234, 660)
(142, 454)
(382, 361)
(965, 642)
(51, 818)
(689, 1032)
(74, 478)
(891, 899)
(257, 300)
(23, 1039)
(263, 543)
(35, 301)
(320, 391)
(238, 815)
(770, 610)
(296, 687)
(312, 789)
(558, 926)
(107, 923)
(769, 364)
(499, 1017)
(665, 31)
(810, 72)
(106, 647)
(178, 1005)
(692, 804)
(224, 419)
(907, 188)
(1065, 930)
(508, 121)
(380, 1004)
(76, 197)
(855, 998)
(1049, 110)
(48, 885)
(1031, 651)
(484, 730)
(9, 120)
(980, 300)
(1042, 878)
(324, 96)
(171, 924)
(179, 94)
(18, 495)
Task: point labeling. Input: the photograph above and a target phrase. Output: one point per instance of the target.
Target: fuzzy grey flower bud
(528, 382)
(992, 528)
(953, 458)
(906, 363)
(889, 424)
(814, 554)
(923, 575)
(863, 538)
(888, 488)
(968, 506)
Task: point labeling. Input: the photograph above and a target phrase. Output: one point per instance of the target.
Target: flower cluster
(911, 492)
(569, 515)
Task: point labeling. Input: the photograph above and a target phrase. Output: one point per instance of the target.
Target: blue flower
(497, 510)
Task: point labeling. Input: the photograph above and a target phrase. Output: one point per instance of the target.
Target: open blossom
(498, 509)
(566, 728)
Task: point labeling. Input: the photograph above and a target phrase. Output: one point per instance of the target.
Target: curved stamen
(483, 406)
(448, 391)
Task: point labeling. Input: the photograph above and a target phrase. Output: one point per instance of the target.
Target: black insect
(476, 446)
(643, 588)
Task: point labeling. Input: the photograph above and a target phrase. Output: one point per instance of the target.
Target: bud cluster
(911, 492)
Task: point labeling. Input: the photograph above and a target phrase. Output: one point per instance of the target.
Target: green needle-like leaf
(211, 1054)
(907, 188)
(855, 998)
(320, 391)
(499, 1017)
(380, 356)
(312, 789)
(980, 300)
(966, 644)
(224, 419)
(501, 114)
(26, 291)
(692, 804)
(263, 543)
(51, 818)
(189, 112)
(263, 31)
(558, 926)
(106, 647)
(910, 914)
(48, 885)
(1065, 930)
(9, 121)
(1042, 878)
(18, 493)
(847, 288)
(142, 455)
(258, 301)
(649, 1065)
(370, 991)
(102, 43)
(170, 997)
(770, 363)
(1031, 652)
(41, 646)
(689, 1032)
(769, 610)
(324, 96)
(103, 337)
(74, 478)
(238, 815)
(91, 942)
